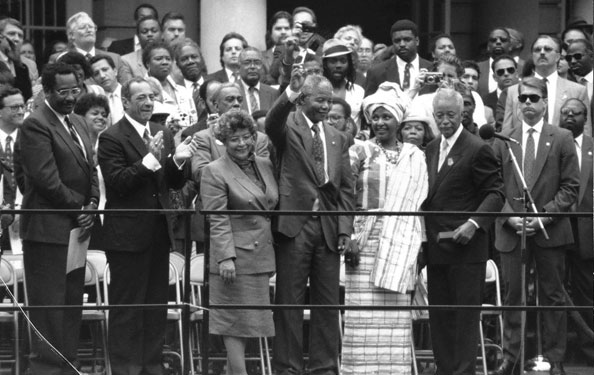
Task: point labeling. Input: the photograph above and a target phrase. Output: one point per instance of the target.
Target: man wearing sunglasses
(498, 44)
(546, 52)
(579, 57)
(505, 73)
(550, 167)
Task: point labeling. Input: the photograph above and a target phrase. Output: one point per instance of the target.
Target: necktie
(253, 101)
(318, 154)
(546, 116)
(529, 158)
(88, 56)
(443, 152)
(235, 77)
(9, 180)
(584, 81)
(406, 81)
(146, 137)
(196, 93)
(73, 134)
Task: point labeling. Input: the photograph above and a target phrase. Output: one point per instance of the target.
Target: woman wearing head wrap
(390, 176)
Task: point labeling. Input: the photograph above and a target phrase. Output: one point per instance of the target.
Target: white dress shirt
(116, 108)
(414, 70)
(247, 99)
(62, 119)
(578, 142)
(149, 160)
(551, 93)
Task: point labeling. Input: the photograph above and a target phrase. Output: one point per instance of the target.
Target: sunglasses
(501, 72)
(546, 49)
(502, 39)
(533, 98)
(569, 111)
(576, 56)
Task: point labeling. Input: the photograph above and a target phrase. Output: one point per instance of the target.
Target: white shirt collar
(59, 115)
(137, 45)
(138, 126)
(230, 74)
(190, 85)
(579, 140)
(590, 76)
(414, 63)
(552, 78)
(246, 86)
(452, 140)
(537, 127)
(4, 135)
(84, 53)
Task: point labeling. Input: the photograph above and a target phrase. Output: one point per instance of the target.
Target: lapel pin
(450, 162)
(548, 144)
(333, 142)
(589, 153)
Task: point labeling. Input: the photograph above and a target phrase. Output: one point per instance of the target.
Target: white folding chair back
(8, 277)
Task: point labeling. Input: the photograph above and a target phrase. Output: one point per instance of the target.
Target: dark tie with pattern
(73, 134)
(546, 116)
(529, 158)
(9, 180)
(253, 101)
(318, 154)
(406, 81)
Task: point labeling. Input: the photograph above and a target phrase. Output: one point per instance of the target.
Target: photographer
(445, 72)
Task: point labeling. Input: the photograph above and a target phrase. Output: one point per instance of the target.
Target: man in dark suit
(405, 66)
(55, 156)
(12, 111)
(580, 259)
(256, 95)
(139, 165)
(498, 44)
(191, 65)
(463, 176)
(125, 46)
(550, 168)
(314, 175)
(505, 73)
(231, 45)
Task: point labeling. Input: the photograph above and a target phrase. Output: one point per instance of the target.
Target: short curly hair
(232, 121)
(87, 101)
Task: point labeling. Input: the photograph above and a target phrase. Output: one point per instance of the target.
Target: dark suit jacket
(555, 186)
(584, 202)
(130, 185)
(53, 174)
(122, 46)
(298, 185)
(267, 97)
(490, 100)
(468, 180)
(485, 67)
(219, 75)
(247, 238)
(132, 66)
(117, 59)
(387, 71)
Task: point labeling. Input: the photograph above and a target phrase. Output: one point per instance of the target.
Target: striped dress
(378, 342)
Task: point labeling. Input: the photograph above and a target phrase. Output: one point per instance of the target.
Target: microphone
(487, 132)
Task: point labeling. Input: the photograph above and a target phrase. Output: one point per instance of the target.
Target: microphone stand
(528, 206)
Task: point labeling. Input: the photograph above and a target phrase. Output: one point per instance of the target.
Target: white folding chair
(491, 277)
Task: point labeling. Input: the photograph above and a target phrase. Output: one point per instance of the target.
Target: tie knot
(531, 131)
(8, 139)
(252, 89)
(315, 128)
(408, 65)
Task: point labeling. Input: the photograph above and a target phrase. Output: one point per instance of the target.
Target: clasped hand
(86, 221)
(227, 271)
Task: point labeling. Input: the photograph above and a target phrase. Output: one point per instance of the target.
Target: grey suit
(266, 94)
(565, 90)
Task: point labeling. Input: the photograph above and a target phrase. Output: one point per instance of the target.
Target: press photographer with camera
(445, 72)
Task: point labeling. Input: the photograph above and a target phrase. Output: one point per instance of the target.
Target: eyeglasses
(533, 98)
(16, 108)
(569, 111)
(576, 56)
(248, 63)
(501, 38)
(310, 72)
(501, 72)
(65, 92)
(546, 49)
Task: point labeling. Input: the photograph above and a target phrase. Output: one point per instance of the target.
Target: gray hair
(224, 85)
(314, 81)
(447, 94)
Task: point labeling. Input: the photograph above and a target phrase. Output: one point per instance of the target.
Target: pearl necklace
(393, 159)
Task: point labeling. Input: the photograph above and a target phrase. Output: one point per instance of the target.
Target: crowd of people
(336, 124)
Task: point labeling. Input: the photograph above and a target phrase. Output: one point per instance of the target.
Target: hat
(414, 115)
(388, 96)
(333, 48)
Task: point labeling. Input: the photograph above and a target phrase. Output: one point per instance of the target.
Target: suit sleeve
(569, 177)
(175, 176)
(214, 193)
(508, 111)
(584, 98)
(40, 166)
(489, 184)
(346, 199)
(202, 156)
(125, 72)
(371, 83)
(276, 121)
(123, 177)
(262, 145)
